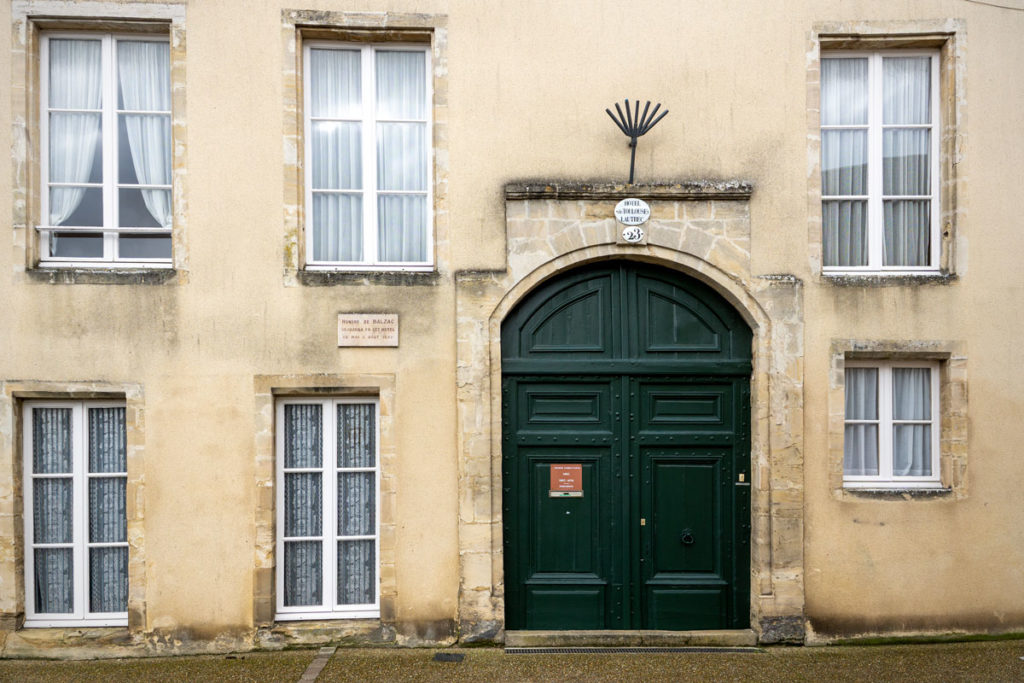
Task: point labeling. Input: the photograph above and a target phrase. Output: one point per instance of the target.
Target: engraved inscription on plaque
(367, 329)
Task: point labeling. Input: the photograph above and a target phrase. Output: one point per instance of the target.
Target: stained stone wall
(701, 229)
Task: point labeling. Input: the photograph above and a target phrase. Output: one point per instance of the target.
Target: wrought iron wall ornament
(634, 124)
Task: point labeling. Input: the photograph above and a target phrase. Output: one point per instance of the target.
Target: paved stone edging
(317, 665)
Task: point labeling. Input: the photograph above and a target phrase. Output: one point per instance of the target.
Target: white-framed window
(76, 541)
(891, 425)
(328, 510)
(105, 150)
(367, 122)
(880, 161)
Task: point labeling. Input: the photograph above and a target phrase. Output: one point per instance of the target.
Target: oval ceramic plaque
(632, 211)
(633, 234)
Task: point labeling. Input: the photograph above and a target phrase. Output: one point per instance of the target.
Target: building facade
(321, 326)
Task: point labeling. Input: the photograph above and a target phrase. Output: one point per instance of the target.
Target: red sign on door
(567, 480)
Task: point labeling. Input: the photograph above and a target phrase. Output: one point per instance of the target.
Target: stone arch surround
(698, 229)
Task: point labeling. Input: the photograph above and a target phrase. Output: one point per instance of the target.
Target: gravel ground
(984, 661)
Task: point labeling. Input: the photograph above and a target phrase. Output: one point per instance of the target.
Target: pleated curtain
(52, 512)
(108, 564)
(75, 83)
(144, 80)
(911, 418)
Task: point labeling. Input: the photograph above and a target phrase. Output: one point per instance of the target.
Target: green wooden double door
(626, 441)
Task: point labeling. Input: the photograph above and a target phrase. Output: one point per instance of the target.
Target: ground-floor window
(76, 541)
(891, 434)
(327, 508)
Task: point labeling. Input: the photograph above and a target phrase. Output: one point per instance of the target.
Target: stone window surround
(377, 27)
(949, 37)
(268, 389)
(953, 456)
(29, 17)
(12, 570)
(702, 229)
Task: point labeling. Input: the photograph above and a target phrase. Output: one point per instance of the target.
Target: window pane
(337, 155)
(303, 438)
(76, 245)
(906, 85)
(844, 92)
(144, 149)
(108, 579)
(54, 592)
(334, 82)
(911, 393)
(337, 227)
(906, 161)
(303, 573)
(107, 449)
(862, 393)
(76, 148)
(907, 232)
(401, 156)
(51, 440)
(144, 75)
(860, 450)
(75, 76)
(357, 508)
(303, 504)
(107, 512)
(844, 162)
(357, 435)
(401, 85)
(911, 450)
(136, 208)
(144, 246)
(402, 221)
(845, 232)
(76, 206)
(357, 576)
(52, 510)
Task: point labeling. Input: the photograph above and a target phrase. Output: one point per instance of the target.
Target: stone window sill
(898, 493)
(104, 276)
(329, 278)
(885, 280)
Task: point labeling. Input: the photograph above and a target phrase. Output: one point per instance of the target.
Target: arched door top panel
(577, 321)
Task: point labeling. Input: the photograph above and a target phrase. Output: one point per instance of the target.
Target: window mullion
(876, 213)
(307, 155)
(109, 149)
(370, 189)
(934, 120)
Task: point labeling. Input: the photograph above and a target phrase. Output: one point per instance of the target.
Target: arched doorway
(626, 454)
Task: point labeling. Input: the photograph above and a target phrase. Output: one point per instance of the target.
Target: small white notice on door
(367, 329)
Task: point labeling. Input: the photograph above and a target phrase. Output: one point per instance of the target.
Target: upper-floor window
(879, 160)
(367, 150)
(106, 150)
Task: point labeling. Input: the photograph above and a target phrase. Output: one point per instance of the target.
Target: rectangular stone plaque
(367, 329)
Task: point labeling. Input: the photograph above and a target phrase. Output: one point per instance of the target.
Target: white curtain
(52, 515)
(336, 146)
(108, 566)
(75, 82)
(906, 85)
(860, 441)
(401, 155)
(145, 85)
(357, 504)
(303, 505)
(911, 443)
(844, 159)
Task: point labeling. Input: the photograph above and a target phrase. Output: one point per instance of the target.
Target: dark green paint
(642, 376)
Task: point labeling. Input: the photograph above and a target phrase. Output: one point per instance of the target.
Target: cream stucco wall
(520, 93)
